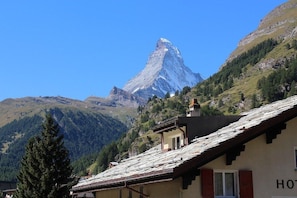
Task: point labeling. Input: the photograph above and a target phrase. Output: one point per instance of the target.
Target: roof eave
(153, 177)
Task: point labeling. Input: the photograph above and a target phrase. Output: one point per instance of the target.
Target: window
(225, 184)
(176, 143)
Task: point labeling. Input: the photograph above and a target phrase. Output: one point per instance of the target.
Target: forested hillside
(224, 80)
(140, 137)
(84, 133)
(280, 83)
(239, 85)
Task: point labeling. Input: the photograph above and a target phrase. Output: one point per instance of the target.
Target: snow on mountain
(164, 72)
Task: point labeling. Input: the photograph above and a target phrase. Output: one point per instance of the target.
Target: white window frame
(236, 183)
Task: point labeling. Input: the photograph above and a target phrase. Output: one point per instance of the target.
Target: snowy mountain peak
(164, 40)
(166, 45)
(164, 72)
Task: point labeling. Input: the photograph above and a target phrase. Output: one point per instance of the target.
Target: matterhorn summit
(165, 72)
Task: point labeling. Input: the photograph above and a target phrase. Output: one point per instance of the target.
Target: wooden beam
(189, 177)
(233, 153)
(274, 131)
(136, 191)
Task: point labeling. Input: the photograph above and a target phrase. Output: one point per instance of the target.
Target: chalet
(249, 156)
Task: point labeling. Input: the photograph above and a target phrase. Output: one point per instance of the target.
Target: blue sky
(77, 49)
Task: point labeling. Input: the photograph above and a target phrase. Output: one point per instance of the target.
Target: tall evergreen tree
(30, 173)
(45, 168)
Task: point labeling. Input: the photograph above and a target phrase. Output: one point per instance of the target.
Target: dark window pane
(178, 142)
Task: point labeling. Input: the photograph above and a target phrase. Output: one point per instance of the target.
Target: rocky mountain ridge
(125, 98)
(14, 109)
(279, 24)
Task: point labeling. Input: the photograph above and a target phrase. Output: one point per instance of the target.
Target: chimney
(194, 108)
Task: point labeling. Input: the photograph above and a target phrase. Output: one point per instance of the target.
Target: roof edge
(152, 177)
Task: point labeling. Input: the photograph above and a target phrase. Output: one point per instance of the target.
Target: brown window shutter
(246, 184)
(207, 187)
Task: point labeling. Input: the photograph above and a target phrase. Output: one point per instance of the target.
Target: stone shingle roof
(154, 163)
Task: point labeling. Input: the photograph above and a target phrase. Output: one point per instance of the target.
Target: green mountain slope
(86, 130)
(263, 52)
(14, 109)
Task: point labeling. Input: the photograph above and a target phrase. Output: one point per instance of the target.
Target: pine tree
(30, 172)
(45, 168)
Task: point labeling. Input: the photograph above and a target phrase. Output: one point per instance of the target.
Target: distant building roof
(155, 165)
(4, 185)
